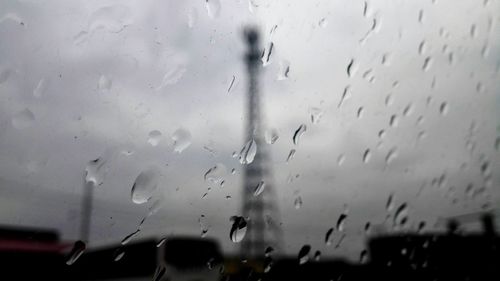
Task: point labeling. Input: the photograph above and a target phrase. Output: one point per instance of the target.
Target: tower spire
(260, 208)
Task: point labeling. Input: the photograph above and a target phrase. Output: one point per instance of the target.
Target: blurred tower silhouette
(263, 225)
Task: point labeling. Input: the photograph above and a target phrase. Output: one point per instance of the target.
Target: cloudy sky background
(55, 118)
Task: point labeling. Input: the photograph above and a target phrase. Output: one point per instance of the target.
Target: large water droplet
(154, 137)
(329, 237)
(304, 254)
(23, 119)
(41, 87)
(130, 237)
(104, 84)
(341, 221)
(213, 8)
(247, 153)
(238, 229)
(259, 188)
(182, 140)
(76, 252)
(145, 184)
(298, 133)
(367, 155)
(216, 173)
(290, 155)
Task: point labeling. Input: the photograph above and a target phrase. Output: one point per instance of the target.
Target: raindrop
(367, 155)
(23, 119)
(368, 228)
(231, 84)
(317, 255)
(365, 9)
(329, 237)
(323, 23)
(389, 100)
(154, 137)
(391, 155)
(215, 174)
(390, 203)
(41, 87)
(352, 68)
(341, 221)
(345, 95)
(443, 108)
(238, 229)
(269, 250)
(213, 8)
(259, 188)
(421, 226)
(118, 254)
(182, 140)
(247, 153)
(393, 122)
(271, 136)
(427, 63)
(268, 263)
(104, 83)
(130, 236)
(386, 59)
(76, 252)
(401, 215)
(340, 159)
(473, 31)
(298, 202)
(159, 273)
(422, 47)
(266, 55)
(420, 16)
(161, 242)
(381, 134)
(172, 76)
(298, 133)
(360, 112)
(203, 227)
(144, 185)
(451, 58)
(408, 110)
(485, 51)
(363, 256)
(304, 254)
(95, 171)
(284, 70)
(290, 155)
(316, 114)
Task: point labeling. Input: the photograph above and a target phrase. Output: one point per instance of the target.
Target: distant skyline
(83, 79)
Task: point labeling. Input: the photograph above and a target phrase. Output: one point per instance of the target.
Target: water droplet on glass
(316, 114)
(390, 203)
(159, 273)
(192, 17)
(359, 114)
(401, 215)
(95, 171)
(118, 254)
(104, 84)
(386, 59)
(427, 63)
(346, 94)
(329, 237)
(341, 221)
(368, 227)
(130, 237)
(173, 75)
(216, 173)
(367, 155)
(284, 70)
(363, 256)
(323, 22)
(443, 108)
(154, 137)
(213, 8)
(259, 188)
(23, 119)
(144, 186)
(408, 110)
(290, 155)
(317, 256)
(391, 155)
(420, 16)
(41, 87)
(161, 242)
(298, 133)
(182, 140)
(422, 47)
(231, 84)
(297, 203)
(340, 159)
(393, 122)
(352, 68)
(365, 9)
(304, 254)
(268, 263)
(238, 229)
(269, 250)
(389, 100)
(247, 153)
(266, 54)
(473, 31)
(271, 136)
(76, 252)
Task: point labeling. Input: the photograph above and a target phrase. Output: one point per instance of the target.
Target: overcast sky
(86, 79)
